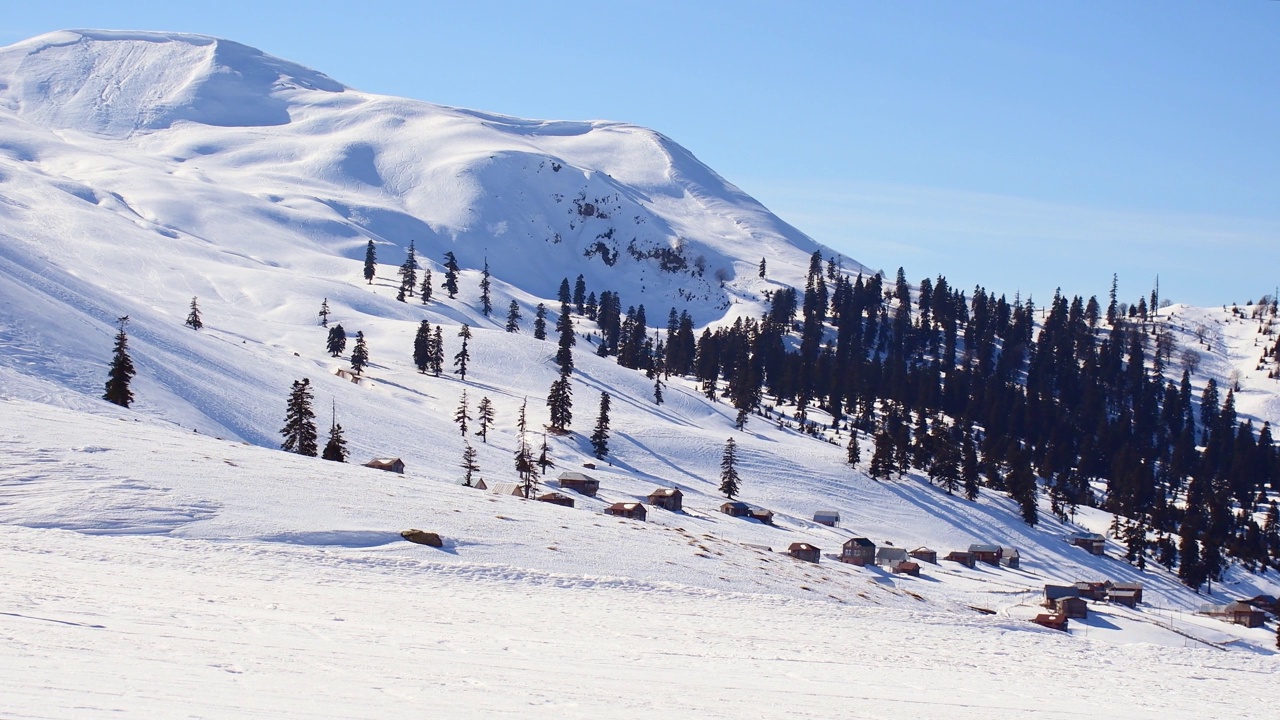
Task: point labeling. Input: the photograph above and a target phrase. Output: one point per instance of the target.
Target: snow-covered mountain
(138, 170)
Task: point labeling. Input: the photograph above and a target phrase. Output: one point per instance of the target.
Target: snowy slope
(140, 169)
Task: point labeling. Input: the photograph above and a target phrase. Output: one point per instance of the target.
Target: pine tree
(580, 295)
(469, 465)
(408, 273)
(969, 465)
(484, 417)
(337, 341)
(437, 351)
(560, 403)
(193, 317)
(324, 313)
(450, 283)
(882, 459)
(544, 456)
(657, 389)
(853, 454)
(945, 466)
(299, 429)
(121, 371)
(370, 262)
(422, 347)
(540, 323)
(463, 355)
(513, 317)
(564, 296)
(336, 448)
(729, 480)
(486, 301)
(762, 268)
(425, 289)
(462, 415)
(564, 350)
(1022, 486)
(359, 354)
(600, 434)
(523, 456)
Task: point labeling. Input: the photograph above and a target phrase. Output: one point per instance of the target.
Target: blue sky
(1020, 145)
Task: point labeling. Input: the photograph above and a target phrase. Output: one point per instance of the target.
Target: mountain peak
(115, 83)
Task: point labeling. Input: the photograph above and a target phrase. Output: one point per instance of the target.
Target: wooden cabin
(515, 489)
(1072, 607)
(1054, 593)
(580, 482)
(963, 557)
(1236, 612)
(805, 552)
(858, 551)
(1124, 589)
(1091, 590)
(906, 567)
(629, 510)
(736, 509)
(395, 465)
(1093, 542)
(764, 516)
(667, 499)
(1010, 558)
(989, 554)
(924, 554)
(1052, 621)
(556, 498)
(830, 518)
(1128, 598)
(891, 556)
(478, 484)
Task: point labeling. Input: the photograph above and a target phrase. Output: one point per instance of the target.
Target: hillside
(138, 170)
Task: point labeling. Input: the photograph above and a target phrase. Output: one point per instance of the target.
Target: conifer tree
(540, 323)
(853, 454)
(324, 313)
(425, 289)
(564, 296)
(544, 456)
(560, 404)
(762, 268)
(580, 295)
(484, 417)
(469, 465)
(299, 429)
(370, 262)
(729, 480)
(462, 415)
(408, 273)
(336, 448)
(657, 389)
(193, 317)
(337, 341)
(513, 317)
(486, 302)
(1022, 486)
(450, 283)
(523, 456)
(460, 359)
(600, 434)
(359, 354)
(945, 466)
(422, 347)
(969, 466)
(437, 351)
(121, 371)
(882, 459)
(564, 350)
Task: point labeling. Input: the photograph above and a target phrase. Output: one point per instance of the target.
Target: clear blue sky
(1020, 145)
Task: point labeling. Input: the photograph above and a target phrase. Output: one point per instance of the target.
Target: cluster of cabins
(1249, 613)
(1066, 602)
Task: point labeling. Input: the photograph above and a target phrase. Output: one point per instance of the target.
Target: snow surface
(166, 559)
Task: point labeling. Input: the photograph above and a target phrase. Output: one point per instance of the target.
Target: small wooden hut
(830, 518)
(629, 510)
(556, 498)
(805, 552)
(858, 551)
(667, 499)
(924, 554)
(395, 465)
(579, 482)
